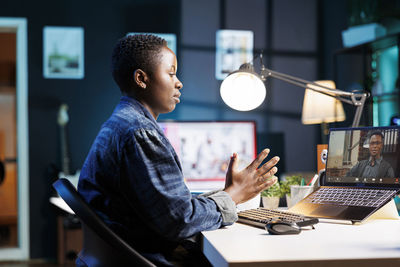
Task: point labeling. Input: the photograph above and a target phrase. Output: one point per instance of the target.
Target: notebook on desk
(362, 174)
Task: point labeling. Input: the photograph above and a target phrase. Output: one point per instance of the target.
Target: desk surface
(373, 243)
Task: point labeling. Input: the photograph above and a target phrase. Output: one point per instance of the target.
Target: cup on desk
(297, 193)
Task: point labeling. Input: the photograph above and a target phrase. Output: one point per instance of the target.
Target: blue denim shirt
(132, 177)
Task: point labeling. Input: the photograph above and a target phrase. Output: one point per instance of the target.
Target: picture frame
(233, 48)
(63, 52)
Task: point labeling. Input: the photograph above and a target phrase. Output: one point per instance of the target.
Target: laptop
(362, 174)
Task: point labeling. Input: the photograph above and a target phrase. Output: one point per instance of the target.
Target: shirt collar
(377, 161)
(140, 108)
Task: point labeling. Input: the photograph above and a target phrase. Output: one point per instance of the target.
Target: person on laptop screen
(375, 165)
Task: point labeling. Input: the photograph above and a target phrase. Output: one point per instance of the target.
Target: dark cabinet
(374, 67)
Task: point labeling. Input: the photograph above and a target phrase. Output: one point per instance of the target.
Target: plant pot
(270, 202)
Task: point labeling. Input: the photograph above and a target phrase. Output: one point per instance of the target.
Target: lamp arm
(359, 109)
(352, 98)
(304, 83)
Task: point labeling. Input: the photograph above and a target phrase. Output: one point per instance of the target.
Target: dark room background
(298, 37)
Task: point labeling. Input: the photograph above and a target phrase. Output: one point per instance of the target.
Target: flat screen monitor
(205, 147)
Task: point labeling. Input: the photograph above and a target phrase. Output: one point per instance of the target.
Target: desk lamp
(321, 109)
(244, 89)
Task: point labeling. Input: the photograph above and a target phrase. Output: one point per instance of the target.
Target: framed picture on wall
(63, 52)
(234, 48)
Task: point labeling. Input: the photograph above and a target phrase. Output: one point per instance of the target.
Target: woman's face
(162, 87)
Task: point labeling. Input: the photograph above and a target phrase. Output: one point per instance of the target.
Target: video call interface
(365, 156)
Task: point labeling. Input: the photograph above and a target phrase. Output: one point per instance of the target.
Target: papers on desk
(60, 203)
(249, 204)
(389, 211)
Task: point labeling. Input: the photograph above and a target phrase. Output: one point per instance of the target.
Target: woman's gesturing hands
(247, 183)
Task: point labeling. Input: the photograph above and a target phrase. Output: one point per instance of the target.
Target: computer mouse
(282, 228)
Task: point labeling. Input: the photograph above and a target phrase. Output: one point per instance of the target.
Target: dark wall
(334, 19)
(287, 32)
(90, 100)
(347, 68)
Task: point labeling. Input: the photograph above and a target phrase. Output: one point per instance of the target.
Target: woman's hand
(247, 183)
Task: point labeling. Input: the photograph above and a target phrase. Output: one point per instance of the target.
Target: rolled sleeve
(225, 205)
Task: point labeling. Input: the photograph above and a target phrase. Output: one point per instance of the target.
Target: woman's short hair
(132, 52)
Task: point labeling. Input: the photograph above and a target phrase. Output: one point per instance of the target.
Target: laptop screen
(367, 157)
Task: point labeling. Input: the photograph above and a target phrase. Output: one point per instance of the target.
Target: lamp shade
(243, 90)
(320, 108)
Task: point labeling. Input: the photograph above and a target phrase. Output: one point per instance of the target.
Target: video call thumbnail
(369, 156)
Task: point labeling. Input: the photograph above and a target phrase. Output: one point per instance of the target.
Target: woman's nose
(179, 85)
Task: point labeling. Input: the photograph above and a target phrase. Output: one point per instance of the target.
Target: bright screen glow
(205, 148)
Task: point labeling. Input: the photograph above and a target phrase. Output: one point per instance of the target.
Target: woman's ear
(140, 78)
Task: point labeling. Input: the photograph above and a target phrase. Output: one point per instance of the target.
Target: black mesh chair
(101, 246)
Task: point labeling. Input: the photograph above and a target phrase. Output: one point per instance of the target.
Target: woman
(132, 176)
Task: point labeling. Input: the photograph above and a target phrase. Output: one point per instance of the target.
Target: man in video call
(375, 166)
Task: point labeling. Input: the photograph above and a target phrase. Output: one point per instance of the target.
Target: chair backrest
(101, 245)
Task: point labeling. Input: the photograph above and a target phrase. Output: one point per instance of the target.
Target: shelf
(379, 106)
(378, 44)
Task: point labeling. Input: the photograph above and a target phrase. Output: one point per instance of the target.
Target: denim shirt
(133, 179)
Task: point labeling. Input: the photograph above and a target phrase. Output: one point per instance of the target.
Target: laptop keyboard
(259, 217)
(350, 197)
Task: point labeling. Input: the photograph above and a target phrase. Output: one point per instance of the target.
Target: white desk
(373, 243)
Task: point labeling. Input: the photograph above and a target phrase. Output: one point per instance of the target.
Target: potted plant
(285, 187)
(271, 196)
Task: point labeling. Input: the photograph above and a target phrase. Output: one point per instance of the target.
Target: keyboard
(350, 197)
(259, 217)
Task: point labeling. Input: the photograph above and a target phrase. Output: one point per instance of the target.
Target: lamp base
(324, 132)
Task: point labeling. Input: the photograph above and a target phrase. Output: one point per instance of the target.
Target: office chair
(101, 246)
